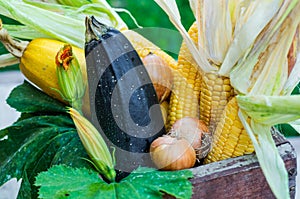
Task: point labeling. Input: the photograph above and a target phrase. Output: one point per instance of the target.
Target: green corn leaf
(271, 110)
(100, 10)
(45, 21)
(268, 156)
(66, 23)
(23, 32)
(75, 3)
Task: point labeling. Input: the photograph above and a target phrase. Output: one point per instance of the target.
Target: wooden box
(241, 177)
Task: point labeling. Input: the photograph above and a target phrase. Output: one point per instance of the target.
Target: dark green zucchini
(123, 102)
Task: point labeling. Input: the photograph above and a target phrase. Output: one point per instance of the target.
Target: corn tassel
(230, 138)
(184, 99)
(216, 91)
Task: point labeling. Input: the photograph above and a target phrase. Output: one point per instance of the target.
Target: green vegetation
(149, 14)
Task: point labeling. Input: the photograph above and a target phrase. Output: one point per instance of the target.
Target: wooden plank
(241, 177)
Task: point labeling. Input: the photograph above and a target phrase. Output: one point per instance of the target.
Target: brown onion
(170, 153)
(190, 129)
(160, 74)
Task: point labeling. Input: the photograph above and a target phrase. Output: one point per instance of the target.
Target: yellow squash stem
(184, 101)
(230, 138)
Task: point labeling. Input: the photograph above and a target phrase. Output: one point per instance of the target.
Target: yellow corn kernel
(230, 138)
(186, 87)
(215, 92)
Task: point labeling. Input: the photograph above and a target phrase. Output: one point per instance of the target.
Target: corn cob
(216, 91)
(230, 138)
(184, 99)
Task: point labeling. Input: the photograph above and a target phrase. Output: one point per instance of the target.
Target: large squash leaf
(28, 99)
(43, 136)
(65, 182)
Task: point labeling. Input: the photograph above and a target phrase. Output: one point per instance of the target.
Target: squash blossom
(94, 145)
(70, 79)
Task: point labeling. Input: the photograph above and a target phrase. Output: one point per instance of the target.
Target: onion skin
(190, 129)
(170, 153)
(160, 74)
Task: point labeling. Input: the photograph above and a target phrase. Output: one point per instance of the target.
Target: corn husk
(251, 46)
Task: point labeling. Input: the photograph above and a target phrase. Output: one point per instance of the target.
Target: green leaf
(152, 182)
(27, 99)
(296, 90)
(21, 132)
(289, 129)
(43, 148)
(44, 136)
(66, 182)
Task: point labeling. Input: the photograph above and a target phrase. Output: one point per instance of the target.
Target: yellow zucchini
(38, 64)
